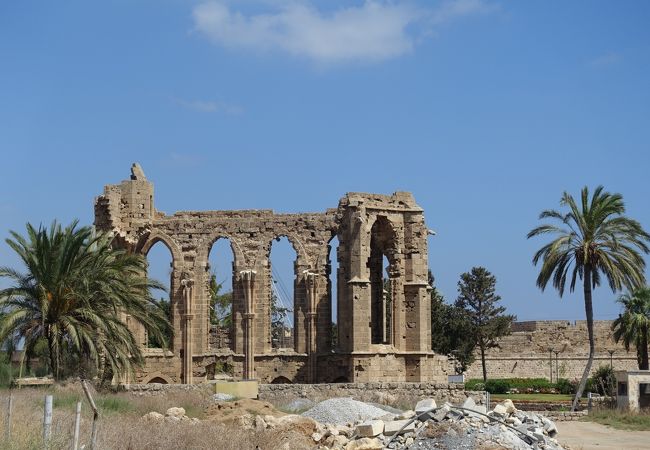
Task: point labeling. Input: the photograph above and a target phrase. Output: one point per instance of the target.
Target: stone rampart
(403, 395)
(552, 349)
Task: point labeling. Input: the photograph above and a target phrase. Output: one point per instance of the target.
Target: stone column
(311, 286)
(187, 285)
(248, 280)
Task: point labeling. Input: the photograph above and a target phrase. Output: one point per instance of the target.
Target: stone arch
(158, 377)
(302, 257)
(150, 239)
(281, 380)
(206, 244)
(323, 253)
(391, 245)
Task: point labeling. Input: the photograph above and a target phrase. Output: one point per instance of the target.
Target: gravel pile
(339, 411)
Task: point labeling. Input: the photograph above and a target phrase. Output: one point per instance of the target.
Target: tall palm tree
(633, 326)
(593, 240)
(74, 293)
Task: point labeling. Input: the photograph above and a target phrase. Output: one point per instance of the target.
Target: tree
(220, 304)
(592, 240)
(476, 295)
(633, 325)
(449, 325)
(162, 305)
(278, 317)
(73, 294)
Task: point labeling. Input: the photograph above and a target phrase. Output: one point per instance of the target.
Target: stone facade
(525, 352)
(377, 340)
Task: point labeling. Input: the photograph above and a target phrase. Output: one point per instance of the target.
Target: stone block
(500, 409)
(391, 428)
(425, 405)
(370, 428)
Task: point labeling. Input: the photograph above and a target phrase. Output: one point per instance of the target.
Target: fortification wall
(398, 394)
(530, 351)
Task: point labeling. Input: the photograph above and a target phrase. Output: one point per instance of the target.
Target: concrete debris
(445, 427)
(370, 428)
(221, 397)
(394, 427)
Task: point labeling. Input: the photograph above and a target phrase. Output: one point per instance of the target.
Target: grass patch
(533, 397)
(112, 405)
(620, 419)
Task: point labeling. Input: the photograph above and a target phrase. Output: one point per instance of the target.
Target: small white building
(633, 389)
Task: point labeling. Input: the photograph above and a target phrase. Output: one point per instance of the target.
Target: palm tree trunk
(482, 347)
(54, 361)
(589, 310)
(644, 349)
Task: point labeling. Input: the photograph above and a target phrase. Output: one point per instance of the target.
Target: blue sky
(486, 110)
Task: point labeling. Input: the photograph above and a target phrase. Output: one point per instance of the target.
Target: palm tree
(74, 294)
(592, 241)
(633, 326)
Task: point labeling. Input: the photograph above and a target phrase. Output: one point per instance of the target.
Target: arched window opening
(220, 281)
(157, 380)
(159, 268)
(381, 304)
(282, 263)
(281, 380)
(332, 289)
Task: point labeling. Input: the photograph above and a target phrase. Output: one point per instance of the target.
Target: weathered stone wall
(401, 394)
(369, 227)
(525, 353)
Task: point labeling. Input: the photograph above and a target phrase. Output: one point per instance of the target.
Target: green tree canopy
(74, 293)
(477, 296)
(220, 304)
(633, 325)
(449, 326)
(591, 241)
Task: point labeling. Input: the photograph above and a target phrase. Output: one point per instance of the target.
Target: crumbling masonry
(377, 340)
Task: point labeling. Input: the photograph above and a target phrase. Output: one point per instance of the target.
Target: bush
(603, 381)
(497, 386)
(565, 386)
(475, 384)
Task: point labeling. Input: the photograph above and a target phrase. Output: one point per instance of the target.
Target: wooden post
(93, 434)
(47, 421)
(8, 423)
(77, 422)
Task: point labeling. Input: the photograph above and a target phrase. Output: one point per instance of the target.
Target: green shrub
(6, 372)
(522, 385)
(497, 386)
(603, 381)
(565, 386)
(475, 384)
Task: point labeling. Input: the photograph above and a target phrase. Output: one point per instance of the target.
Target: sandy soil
(593, 436)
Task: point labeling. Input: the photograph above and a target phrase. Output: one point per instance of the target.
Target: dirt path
(593, 436)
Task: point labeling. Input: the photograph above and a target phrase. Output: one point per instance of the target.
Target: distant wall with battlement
(525, 352)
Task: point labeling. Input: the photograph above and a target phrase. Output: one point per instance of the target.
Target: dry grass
(623, 420)
(120, 426)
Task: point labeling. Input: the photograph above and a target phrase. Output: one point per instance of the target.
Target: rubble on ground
(173, 414)
(341, 411)
(347, 424)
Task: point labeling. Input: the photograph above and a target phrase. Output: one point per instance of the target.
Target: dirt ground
(594, 436)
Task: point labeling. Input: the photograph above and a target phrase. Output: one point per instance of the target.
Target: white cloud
(453, 9)
(374, 31)
(204, 106)
(605, 60)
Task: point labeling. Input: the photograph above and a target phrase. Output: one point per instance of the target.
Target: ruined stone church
(378, 340)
